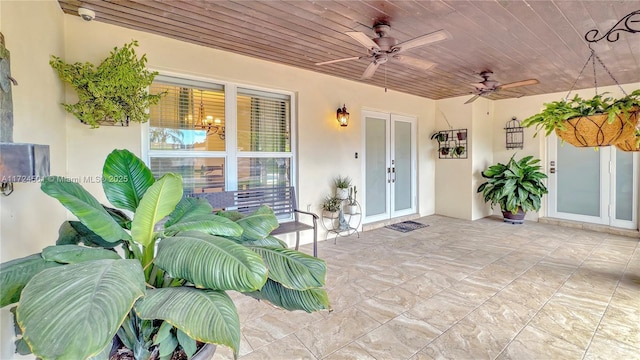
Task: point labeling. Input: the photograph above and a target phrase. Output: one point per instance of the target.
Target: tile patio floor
(462, 290)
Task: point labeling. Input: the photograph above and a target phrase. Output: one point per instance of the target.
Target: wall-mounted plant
(459, 150)
(445, 150)
(114, 92)
(440, 136)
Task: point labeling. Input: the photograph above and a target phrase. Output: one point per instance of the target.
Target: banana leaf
(211, 262)
(15, 274)
(84, 206)
(205, 315)
(74, 311)
(125, 179)
(158, 201)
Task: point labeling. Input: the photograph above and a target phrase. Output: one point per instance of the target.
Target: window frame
(231, 153)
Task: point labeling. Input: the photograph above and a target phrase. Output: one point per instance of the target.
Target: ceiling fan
(486, 86)
(385, 48)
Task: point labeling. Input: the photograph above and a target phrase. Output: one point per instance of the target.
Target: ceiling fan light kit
(384, 48)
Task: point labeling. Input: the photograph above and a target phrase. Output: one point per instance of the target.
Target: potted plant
(114, 92)
(440, 136)
(517, 187)
(342, 184)
(632, 144)
(154, 283)
(444, 151)
(599, 121)
(462, 135)
(459, 150)
(352, 204)
(331, 206)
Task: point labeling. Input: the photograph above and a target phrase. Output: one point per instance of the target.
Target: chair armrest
(315, 217)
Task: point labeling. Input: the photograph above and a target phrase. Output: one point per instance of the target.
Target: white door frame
(607, 188)
(389, 142)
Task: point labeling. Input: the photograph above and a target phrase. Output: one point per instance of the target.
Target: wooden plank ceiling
(516, 40)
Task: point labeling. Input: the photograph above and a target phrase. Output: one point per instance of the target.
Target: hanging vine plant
(599, 121)
(114, 92)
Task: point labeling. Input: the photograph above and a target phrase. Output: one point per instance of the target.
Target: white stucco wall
(29, 219)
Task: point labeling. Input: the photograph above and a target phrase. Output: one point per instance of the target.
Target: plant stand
(342, 224)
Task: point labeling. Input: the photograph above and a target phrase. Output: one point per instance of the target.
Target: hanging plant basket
(599, 121)
(596, 130)
(632, 144)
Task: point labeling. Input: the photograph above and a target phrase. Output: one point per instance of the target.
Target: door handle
(389, 175)
(393, 170)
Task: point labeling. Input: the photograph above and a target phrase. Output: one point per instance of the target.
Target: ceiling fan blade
(472, 99)
(370, 70)
(339, 60)
(519, 83)
(363, 39)
(414, 62)
(421, 40)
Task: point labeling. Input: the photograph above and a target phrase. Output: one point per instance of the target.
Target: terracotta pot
(595, 130)
(517, 218)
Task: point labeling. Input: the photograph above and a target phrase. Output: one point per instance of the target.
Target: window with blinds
(186, 118)
(188, 135)
(263, 121)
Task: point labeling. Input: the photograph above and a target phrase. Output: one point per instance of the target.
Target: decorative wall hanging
(452, 144)
(514, 134)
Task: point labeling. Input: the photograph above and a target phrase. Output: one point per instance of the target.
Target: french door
(595, 186)
(389, 165)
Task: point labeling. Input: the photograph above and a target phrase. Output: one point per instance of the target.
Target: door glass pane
(402, 150)
(376, 166)
(187, 118)
(198, 174)
(624, 185)
(578, 176)
(263, 172)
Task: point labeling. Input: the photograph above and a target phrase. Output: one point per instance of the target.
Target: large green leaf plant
(155, 281)
(516, 184)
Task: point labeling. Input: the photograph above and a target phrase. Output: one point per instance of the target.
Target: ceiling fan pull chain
(385, 77)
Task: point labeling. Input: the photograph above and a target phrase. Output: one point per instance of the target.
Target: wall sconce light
(343, 116)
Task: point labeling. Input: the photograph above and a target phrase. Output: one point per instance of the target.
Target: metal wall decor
(629, 23)
(514, 134)
(452, 144)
